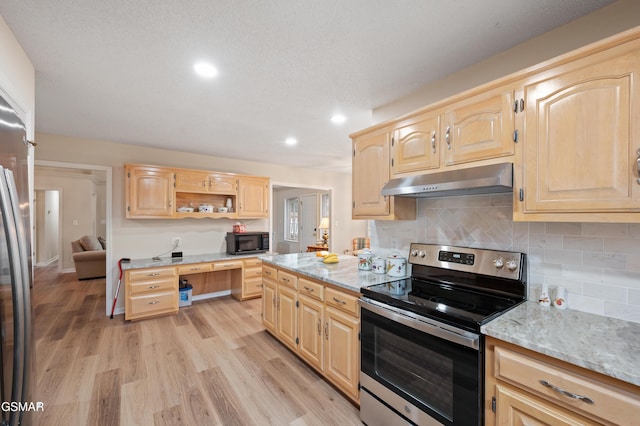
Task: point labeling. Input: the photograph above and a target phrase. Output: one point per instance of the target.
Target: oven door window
(439, 377)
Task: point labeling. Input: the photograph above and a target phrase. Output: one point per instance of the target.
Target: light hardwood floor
(212, 364)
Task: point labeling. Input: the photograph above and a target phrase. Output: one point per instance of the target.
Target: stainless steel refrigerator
(16, 319)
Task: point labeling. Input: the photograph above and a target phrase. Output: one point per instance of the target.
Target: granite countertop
(606, 345)
(343, 274)
(185, 260)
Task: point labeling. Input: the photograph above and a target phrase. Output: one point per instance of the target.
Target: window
(291, 219)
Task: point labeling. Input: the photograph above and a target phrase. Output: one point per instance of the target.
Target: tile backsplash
(597, 263)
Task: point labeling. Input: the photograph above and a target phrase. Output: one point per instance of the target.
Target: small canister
(239, 228)
(365, 258)
(379, 265)
(396, 266)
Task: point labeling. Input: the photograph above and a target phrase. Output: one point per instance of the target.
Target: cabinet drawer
(153, 286)
(228, 264)
(608, 402)
(269, 272)
(252, 262)
(255, 272)
(342, 301)
(288, 279)
(195, 268)
(311, 289)
(145, 274)
(151, 304)
(253, 286)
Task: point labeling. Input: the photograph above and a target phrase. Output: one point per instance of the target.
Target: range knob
(498, 263)
(422, 253)
(414, 253)
(512, 264)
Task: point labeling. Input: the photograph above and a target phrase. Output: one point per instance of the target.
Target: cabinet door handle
(638, 165)
(155, 302)
(566, 393)
(319, 328)
(153, 286)
(326, 330)
(447, 137)
(342, 302)
(433, 141)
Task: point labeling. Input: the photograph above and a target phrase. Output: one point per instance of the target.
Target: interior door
(308, 221)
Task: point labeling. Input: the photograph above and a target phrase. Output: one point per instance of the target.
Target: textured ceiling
(121, 70)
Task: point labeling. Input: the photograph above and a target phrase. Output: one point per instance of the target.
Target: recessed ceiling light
(205, 69)
(338, 119)
(291, 141)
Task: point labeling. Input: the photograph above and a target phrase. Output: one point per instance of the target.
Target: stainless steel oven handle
(434, 328)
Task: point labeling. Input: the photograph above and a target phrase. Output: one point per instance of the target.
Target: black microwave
(247, 242)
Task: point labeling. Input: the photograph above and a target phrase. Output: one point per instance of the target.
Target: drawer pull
(566, 393)
(267, 272)
(153, 286)
(309, 289)
(195, 269)
(155, 302)
(259, 285)
(342, 302)
(155, 274)
(258, 273)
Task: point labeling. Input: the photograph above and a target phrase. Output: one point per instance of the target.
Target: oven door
(426, 372)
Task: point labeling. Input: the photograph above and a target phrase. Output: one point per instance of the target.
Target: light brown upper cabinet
(154, 192)
(253, 197)
(370, 172)
(192, 181)
(149, 191)
(582, 140)
(569, 125)
(480, 127)
(415, 144)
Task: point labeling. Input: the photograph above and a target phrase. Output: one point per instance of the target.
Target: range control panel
(480, 261)
(455, 257)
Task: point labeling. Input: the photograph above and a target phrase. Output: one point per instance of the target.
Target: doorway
(84, 208)
(46, 227)
(313, 203)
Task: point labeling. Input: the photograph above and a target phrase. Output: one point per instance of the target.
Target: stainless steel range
(422, 354)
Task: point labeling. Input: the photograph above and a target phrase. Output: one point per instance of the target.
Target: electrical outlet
(175, 242)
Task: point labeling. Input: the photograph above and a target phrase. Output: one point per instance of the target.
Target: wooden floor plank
(211, 364)
(105, 399)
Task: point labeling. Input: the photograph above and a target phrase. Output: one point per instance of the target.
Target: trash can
(185, 296)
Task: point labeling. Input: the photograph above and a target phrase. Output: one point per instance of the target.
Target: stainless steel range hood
(490, 179)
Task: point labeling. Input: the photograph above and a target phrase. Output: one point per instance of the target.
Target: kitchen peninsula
(151, 286)
(312, 308)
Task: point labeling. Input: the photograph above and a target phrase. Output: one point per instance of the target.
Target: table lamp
(324, 225)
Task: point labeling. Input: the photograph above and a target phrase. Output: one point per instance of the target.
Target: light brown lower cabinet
(322, 329)
(150, 292)
(250, 286)
(524, 387)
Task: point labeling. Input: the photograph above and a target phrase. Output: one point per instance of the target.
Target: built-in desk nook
(151, 288)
